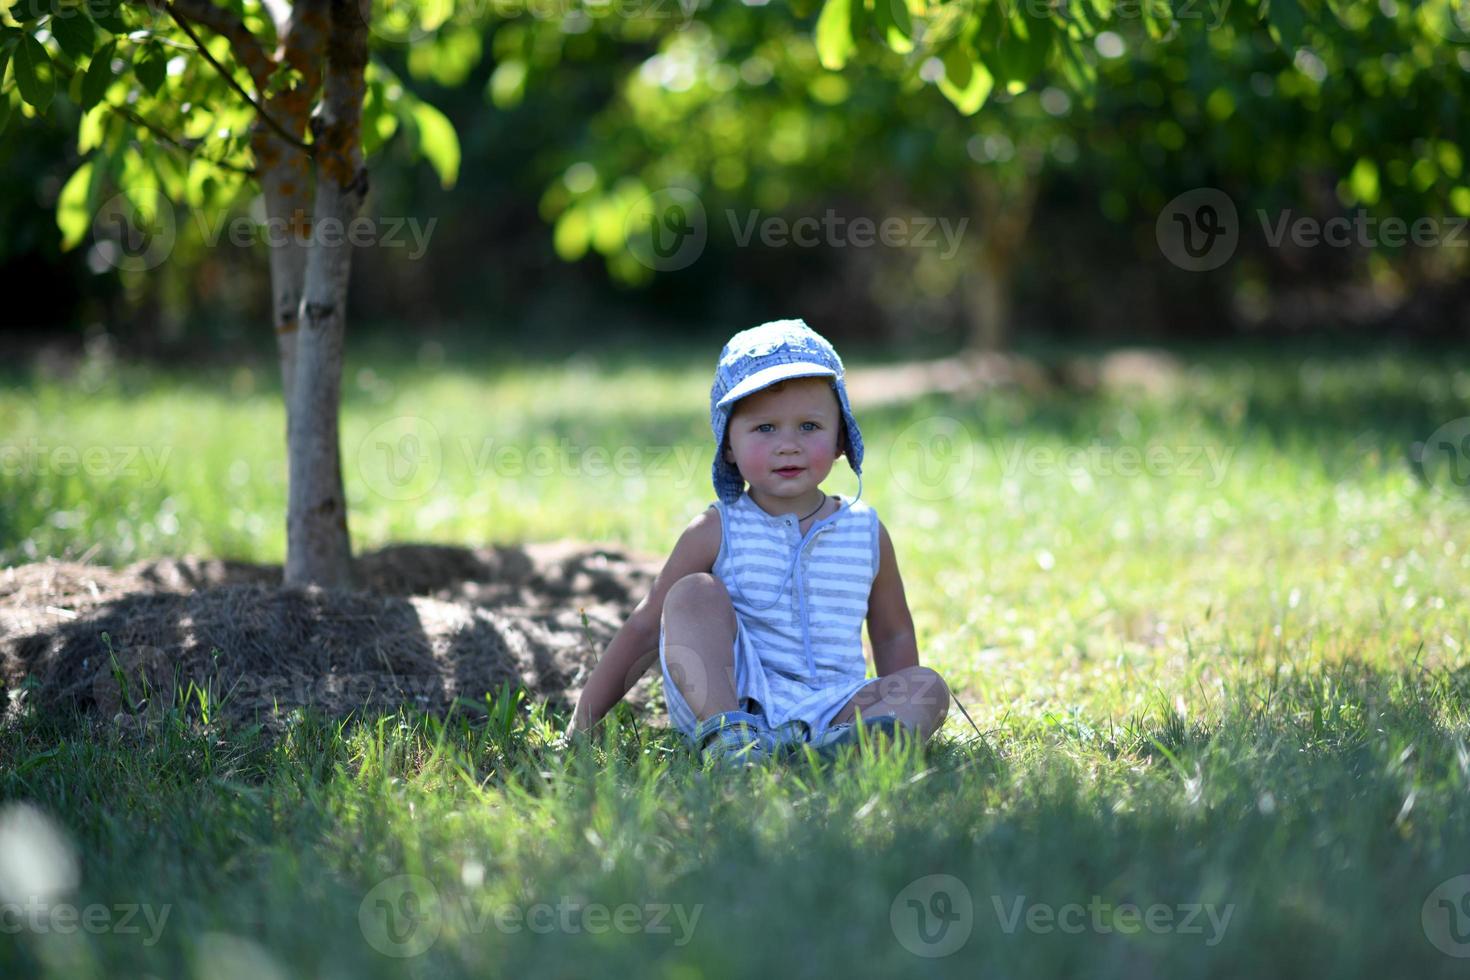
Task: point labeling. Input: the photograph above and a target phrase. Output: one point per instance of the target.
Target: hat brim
(772, 374)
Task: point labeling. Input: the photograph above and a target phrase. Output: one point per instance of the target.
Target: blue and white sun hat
(759, 357)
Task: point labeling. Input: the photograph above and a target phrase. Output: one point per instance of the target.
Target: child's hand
(573, 731)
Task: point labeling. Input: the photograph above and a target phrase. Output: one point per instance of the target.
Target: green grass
(1243, 689)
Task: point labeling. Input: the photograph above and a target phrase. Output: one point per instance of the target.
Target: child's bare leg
(699, 643)
(916, 696)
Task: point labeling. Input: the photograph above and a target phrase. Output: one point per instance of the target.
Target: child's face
(795, 429)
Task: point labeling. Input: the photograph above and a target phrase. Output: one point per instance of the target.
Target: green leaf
(1077, 69)
(1286, 19)
(834, 34)
(73, 30)
(507, 83)
(72, 213)
(572, 234)
(151, 68)
(35, 76)
(895, 24)
(4, 110)
(99, 75)
(971, 88)
(92, 129)
(1364, 181)
(107, 16)
(438, 141)
(957, 66)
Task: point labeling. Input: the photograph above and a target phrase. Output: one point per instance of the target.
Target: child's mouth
(789, 471)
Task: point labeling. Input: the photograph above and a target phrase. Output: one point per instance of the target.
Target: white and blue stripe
(800, 602)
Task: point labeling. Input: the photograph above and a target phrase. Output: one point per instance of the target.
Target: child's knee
(921, 688)
(703, 594)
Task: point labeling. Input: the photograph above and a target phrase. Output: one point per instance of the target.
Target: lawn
(1211, 637)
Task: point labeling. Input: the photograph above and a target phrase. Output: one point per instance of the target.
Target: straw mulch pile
(429, 625)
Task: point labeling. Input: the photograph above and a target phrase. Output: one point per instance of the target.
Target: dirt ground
(430, 624)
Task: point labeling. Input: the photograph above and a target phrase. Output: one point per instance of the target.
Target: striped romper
(800, 603)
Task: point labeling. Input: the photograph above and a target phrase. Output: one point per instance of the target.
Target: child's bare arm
(635, 647)
(890, 625)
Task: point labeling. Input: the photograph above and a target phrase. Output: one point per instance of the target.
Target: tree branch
(161, 133)
(229, 77)
(164, 135)
(228, 25)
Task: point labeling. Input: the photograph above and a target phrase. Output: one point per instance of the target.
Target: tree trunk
(1005, 217)
(318, 546)
(987, 299)
(286, 176)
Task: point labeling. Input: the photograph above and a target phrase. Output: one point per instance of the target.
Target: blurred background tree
(564, 112)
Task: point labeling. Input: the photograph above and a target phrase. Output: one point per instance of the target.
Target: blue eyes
(766, 425)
